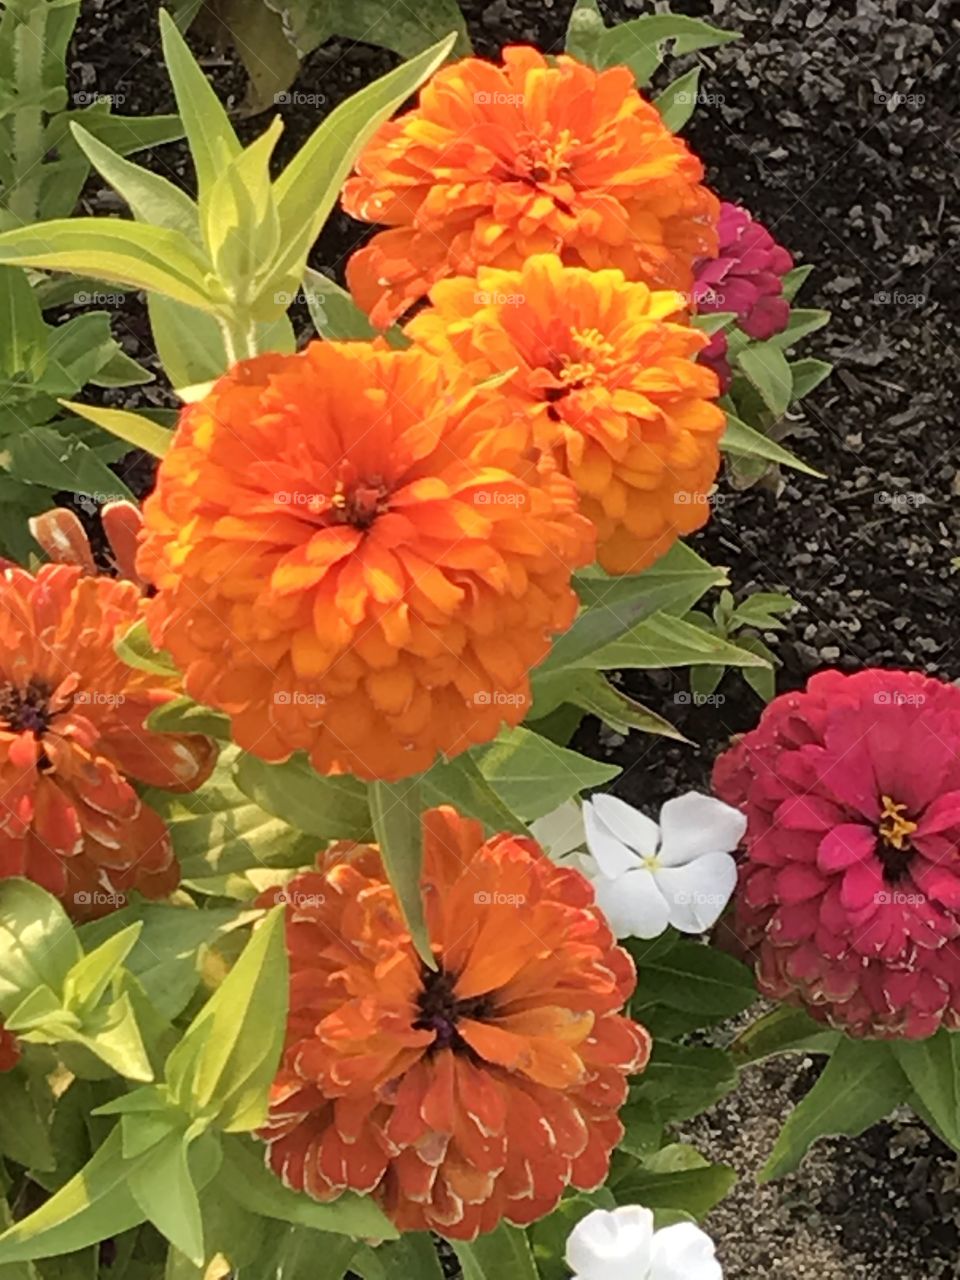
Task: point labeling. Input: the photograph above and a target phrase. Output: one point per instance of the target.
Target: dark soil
(836, 122)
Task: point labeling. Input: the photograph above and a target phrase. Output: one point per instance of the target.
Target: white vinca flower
(621, 1244)
(648, 876)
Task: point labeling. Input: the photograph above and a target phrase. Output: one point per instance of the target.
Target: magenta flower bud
(746, 277)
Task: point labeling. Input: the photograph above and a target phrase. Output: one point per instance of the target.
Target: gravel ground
(836, 122)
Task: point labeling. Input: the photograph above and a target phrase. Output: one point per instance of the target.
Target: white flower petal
(683, 1252)
(694, 824)
(613, 854)
(697, 892)
(560, 832)
(633, 904)
(611, 1244)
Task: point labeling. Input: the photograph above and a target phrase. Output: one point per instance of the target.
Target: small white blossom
(621, 1244)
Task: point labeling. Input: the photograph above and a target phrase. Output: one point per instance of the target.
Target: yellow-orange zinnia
(497, 163)
(605, 372)
(72, 738)
(355, 557)
(466, 1094)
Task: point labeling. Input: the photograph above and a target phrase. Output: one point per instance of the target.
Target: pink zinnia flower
(746, 276)
(850, 891)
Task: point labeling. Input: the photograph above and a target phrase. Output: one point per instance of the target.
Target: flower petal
(618, 835)
(697, 892)
(633, 904)
(694, 824)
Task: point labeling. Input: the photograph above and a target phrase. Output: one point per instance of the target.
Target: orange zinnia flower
(72, 734)
(465, 1094)
(356, 559)
(605, 372)
(497, 163)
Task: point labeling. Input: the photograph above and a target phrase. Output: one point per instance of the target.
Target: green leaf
(665, 641)
(333, 808)
(23, 334)
(533, 776)
(800, 324)
(807, 376)
(218, 829)
(860, 1084)
(593, 693)
(163, 1188)
(183, 715)
(135, 648)
(933, 1068)
(38, 946)
(672, 585)
(132, 427)
(152, 198)
(307, 189)
(223, 1067)
(766, 367)
(211, 137)
(336, 316)
(678, 101)
(695, 979)
(459, 782)
(639, 44)
(120, 252)
(260, 37)
(397, 810)
(793, 280)
(596, 627)
(548, 1236)
(681, 1080)
(742, 441)
(46, 457)
(585, 31)
(405, 31)
(89, 978)
(244, 1177)
(782, 1030)
(675, 1178)
(26, 1107)
(496, 1255)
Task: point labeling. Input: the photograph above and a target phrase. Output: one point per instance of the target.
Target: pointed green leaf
(136, 649)
(336, 316)
(152, 198)
(766, 367)
(672, 585)
(743, 441)
(497, 1254)
(933, 1068)
(164, 1190)
(584, 32)
(89, 978)
(783, 1030)
(132, 427)
(333, 808)
(459, 782)
(533, 776)
(23, 334)
(807, 376)
(397, 811)
(861, 1084)
(801, 323)
(38, 946)
(664, 641)
(678, 101)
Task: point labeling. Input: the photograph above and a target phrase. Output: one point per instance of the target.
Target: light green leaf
(672, 585)
(183, 715)
(807, 376)
(333, 808)
(405, 31)
(679, 100)
(223, 1067)
(639, 43)
(533, 776)
(136, 649)
(783, 1030)
(793, 280)
(38, 946)
(132, 427)
(584, 32)
(743, 441)
(860, 1084)
(933, 1068)
(26, 1107)
(800, 324)
(459, 782)
(218, 829)
(163, 1188)
(244, 1177)
(89, 978)
(23, 334)
(45, 456)
(213, 142)
(664, 641)
(592, 692)
(496, 1255)
(308, 187)
(120, 252)
(152, 198)
(396, 809)
(766, 367)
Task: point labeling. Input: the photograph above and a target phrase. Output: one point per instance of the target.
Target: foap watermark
(499, 498)
(86, 98)
(694, 899)
(486, 298)
(901, 501)
(98, 898)
(699, 498)
(896, 898)
(298, 698)
(496, 99)
(84, 298)
(687, 698)
(301, 498)
(90, 503)
(896, 99)
(899, 298)
(98, 698)
(294, 98)
(490, 898)
(700, 98)
(295, 898)
(497, 698)
(897, 698)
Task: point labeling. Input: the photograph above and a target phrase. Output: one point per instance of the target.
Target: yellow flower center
(894, 828)
(592, 358)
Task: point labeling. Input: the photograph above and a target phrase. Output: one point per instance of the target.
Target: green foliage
(758, 612)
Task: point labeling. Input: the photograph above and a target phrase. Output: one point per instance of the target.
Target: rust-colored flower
(9, 1049)
(356, 558)
(466, 1094)
(497, 163)
(605, 373)
(72, 736)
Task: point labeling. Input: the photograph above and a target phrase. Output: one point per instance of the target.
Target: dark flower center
(441, 1009)
(894, 830)
(360, 503)
(26, 710)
